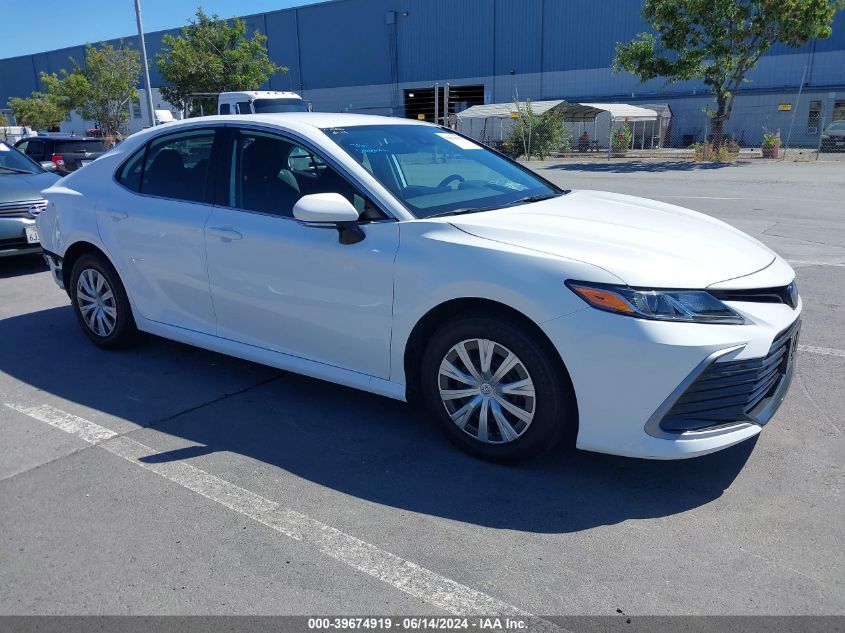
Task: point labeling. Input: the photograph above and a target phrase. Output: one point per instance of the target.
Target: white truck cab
(260, 102)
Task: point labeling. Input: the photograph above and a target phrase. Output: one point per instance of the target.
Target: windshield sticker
(460, 141)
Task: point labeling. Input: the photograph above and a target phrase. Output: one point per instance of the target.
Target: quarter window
(130, 173)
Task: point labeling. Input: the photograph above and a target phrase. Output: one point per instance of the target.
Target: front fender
(437, 263)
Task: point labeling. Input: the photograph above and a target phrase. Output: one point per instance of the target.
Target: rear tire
(100, 302)
(495, 389)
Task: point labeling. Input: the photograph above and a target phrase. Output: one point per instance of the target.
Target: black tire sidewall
(555, 406)
(125, 331)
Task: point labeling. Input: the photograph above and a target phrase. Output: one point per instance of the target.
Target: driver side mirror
(330, 208)
(48, 165)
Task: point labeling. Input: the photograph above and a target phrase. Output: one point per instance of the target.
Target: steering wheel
(448, 179)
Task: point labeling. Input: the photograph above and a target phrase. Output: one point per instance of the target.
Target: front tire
(495, 388)
(100, 302)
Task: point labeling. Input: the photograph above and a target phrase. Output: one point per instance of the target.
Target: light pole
(147, 87)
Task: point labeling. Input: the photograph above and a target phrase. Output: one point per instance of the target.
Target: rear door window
(35, 150)
(177, 166)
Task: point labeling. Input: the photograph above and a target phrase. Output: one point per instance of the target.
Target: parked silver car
(21, 180)
(833, 137)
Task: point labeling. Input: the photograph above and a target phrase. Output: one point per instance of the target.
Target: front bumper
(629, 373)
(13, 237)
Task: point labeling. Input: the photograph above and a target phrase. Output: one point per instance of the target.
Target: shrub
(706, 152)
(621, 140)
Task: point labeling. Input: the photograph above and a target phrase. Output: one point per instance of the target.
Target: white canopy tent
(487, 122)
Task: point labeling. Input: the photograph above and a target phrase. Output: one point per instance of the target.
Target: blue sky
(64, 23)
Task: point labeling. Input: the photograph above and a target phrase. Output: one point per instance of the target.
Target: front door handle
(116, 215)
(225, 233)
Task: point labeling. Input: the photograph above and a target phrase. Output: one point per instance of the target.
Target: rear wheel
(495, 389)
(100, 302)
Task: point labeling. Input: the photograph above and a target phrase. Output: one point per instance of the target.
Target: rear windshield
(268, 106)
(79, 146)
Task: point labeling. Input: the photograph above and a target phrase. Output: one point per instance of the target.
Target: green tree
(103, 90)
(719, 42)
(38, 111)
(535, 134)
(213, 56)
(4, 120)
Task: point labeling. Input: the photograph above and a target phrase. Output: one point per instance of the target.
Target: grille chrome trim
(22, 209)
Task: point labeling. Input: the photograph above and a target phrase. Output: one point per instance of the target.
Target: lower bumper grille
(736, 391)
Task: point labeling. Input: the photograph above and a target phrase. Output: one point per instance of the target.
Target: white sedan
(406, 260)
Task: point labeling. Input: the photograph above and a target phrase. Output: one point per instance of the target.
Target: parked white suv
(406, 260)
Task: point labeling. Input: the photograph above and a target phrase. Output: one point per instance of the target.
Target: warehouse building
(384, 57)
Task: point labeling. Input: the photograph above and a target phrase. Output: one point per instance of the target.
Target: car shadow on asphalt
(629, 167)
(19, 265)
(370, 447)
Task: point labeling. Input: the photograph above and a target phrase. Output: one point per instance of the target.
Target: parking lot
(169, 480)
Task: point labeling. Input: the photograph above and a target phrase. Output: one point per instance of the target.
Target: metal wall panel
(283, 49)
(344, 43)
(17, 78)
(517, 48)
(445, 39)
(583, 34)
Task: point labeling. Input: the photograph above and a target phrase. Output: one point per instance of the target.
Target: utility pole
(147, 87)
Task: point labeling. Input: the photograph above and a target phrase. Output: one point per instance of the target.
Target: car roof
(301, 122)
(305, 119)
(61, 137)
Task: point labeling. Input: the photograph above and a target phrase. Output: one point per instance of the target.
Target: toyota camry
(409, 261)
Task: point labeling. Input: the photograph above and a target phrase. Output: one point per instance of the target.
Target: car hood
(642, 242)
(18, 187)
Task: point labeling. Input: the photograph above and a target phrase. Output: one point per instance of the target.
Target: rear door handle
(116, 215)
(225, 233)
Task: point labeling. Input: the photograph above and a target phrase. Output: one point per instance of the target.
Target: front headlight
(691, 306)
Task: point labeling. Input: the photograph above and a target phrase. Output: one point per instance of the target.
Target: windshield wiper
(525, 200)
(15, 170)
(462, 211)
(537, 198)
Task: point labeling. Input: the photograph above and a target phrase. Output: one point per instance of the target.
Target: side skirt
(294, 364)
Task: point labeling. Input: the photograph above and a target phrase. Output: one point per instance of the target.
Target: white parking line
(402, 574)
(824, 351)
(801, 262)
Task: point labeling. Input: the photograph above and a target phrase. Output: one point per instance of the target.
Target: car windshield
(13, 162)
(433, 171)
(269, 106)
(838, 125)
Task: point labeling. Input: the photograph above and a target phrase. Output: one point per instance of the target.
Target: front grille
(733, 391)
(781, 294)
(24, 209)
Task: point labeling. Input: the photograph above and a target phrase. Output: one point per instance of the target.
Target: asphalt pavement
(170, 480)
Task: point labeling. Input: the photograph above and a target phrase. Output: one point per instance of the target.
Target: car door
(283, 285)
(153, 224)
